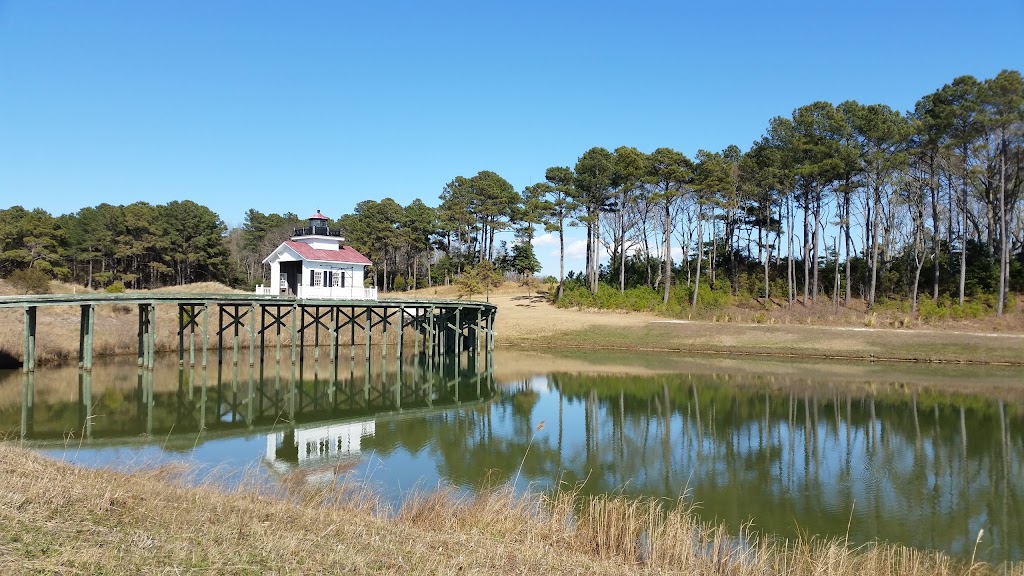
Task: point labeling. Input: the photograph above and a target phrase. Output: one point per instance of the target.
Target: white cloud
(549, 239)
(576, 249)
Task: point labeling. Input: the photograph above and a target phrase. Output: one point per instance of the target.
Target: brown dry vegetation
(56, 518)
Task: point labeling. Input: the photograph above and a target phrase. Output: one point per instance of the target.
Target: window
(336, 279)
(314, 278)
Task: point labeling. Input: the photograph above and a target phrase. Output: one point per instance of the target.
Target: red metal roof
(317, 216)
(346, 254)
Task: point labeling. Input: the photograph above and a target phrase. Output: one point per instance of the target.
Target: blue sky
(297, 106)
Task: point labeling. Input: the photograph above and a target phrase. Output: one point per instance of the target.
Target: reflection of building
(316, 264)
(317, 453)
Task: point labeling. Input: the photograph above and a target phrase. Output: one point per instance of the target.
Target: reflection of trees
(927, 469)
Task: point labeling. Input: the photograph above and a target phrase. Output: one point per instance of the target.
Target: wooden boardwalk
(440, 327)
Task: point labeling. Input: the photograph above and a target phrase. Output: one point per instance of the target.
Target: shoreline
(773, 354)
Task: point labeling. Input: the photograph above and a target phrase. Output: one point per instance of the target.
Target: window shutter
(342, 279)
(312, 277)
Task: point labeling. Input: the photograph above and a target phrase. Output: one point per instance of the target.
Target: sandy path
(522, 317)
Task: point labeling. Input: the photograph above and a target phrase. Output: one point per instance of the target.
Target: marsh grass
(58, 518)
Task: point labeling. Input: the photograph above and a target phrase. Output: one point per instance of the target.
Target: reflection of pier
(230, 400)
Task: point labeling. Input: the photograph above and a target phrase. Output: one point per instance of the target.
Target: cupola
(318, 220)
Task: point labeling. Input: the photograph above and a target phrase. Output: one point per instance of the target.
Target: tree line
(833, 201)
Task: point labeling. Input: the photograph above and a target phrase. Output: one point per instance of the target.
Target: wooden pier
(439, 328)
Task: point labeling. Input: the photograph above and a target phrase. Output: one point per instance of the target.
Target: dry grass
(795, 341)
(807, 332)
(56, 518)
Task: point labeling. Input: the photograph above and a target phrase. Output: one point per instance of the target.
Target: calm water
(772, 443)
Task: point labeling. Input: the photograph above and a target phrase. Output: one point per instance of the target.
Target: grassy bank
(61, 519)
(799, 341)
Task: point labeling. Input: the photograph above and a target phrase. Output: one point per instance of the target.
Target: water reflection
(924, 469)
(309, 417)
(794, 454)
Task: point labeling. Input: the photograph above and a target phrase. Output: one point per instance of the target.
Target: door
(291, 278)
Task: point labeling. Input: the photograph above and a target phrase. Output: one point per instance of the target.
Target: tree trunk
(767, 258)
(817, 227)
(807, 253)
(835, 280)
(762, 246)
(963, 250)
(561, 260)
(790, 267)
(1004, 255)
(700, 257)
(713, 256)
(622, 242)
(936, 243)
(483, 242)
(876, 200)
(590, 255)
(595, 251)
(685, 244)
(849, 242)
(668, 252)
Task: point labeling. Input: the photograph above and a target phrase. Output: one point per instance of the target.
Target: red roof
(317, 216)
(346, 254)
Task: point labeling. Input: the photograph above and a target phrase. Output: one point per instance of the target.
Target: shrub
(575, 295)
(710, 299)
(116, 287)
(645, 298)
(946, 308)
(30, 281)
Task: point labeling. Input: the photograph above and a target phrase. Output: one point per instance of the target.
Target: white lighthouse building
(315, 263)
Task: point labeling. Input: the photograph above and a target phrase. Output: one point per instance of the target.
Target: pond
(921, 455)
